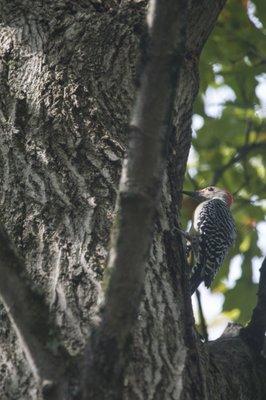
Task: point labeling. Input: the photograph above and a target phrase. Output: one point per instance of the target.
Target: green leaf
(234, 56)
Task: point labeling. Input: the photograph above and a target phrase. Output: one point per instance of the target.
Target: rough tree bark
(67, 81)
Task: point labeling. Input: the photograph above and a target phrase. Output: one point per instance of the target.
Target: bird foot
(183, 233)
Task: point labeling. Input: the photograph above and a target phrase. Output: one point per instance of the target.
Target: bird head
(211, 192)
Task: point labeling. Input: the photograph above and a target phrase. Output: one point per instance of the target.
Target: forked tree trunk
(67, 83)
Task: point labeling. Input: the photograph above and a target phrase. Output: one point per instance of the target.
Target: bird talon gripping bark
(186, 235)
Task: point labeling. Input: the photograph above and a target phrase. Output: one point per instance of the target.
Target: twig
(245, 166)
(139, 192)
(248, 131)
(193, 181)
(254, 333)
(29, 317)
(240, 154)
(203, 325)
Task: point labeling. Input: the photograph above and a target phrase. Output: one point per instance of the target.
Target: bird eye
(210, 189)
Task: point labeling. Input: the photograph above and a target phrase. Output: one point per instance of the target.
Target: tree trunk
(67, 78)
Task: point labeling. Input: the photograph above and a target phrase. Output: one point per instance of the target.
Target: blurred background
(229, 150)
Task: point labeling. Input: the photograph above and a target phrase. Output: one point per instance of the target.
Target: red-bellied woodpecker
(212, 233)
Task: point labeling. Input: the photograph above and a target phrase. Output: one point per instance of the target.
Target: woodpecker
(212, 233)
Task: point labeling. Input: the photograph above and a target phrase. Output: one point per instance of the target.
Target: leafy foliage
(230, 146)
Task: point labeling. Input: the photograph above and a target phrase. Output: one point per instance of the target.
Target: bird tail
(195, 279)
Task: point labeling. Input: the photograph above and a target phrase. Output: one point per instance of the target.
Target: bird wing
(216, 229)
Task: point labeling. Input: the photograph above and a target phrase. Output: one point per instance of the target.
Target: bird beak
(195, 195)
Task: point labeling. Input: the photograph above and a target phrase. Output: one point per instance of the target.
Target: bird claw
(188, 249)
(182, 233)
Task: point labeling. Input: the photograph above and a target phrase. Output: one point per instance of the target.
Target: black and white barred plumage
(214, 233)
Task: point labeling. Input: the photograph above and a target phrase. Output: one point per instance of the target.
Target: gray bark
(137, 201)
(67, 81)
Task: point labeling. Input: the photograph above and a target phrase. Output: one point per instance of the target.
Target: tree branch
(203, 326)
(139, 192)
(254, 333)
(193, 181)
(239, 155)
(30, 318)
